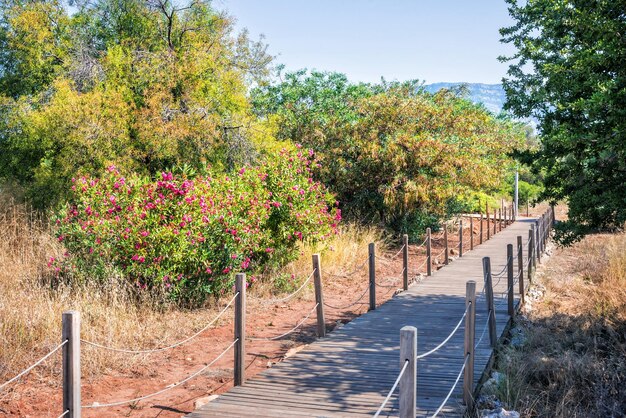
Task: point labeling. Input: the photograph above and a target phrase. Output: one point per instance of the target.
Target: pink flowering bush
(188, 236)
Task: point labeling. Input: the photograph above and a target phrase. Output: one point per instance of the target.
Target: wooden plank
(349, 372)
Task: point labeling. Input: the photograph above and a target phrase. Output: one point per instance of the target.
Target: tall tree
(144, 85)
(569, 73)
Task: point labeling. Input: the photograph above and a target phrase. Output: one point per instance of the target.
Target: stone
(498, 413)
(200, 402)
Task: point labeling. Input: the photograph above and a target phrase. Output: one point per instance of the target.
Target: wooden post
(534, 245)
(470, 329)
(481, 229)
(520, 268)
(527, 208)
(538, 240)
(461, 237)
(445, 239)
(240, 329)
(493, 337)
(405, 261)
(500, 220)
(429, 267)
(495, 225)
(488, 227)
(553, 217)
(407, 387)
(506, 220)
(471, 233)
(71, 363)
(319, 296)
(529, 257)
(509, 276)
(372, 268)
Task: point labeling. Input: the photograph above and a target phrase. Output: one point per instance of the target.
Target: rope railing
(292, 330)
(483, 332)
(456, 382)
(428, 353)
(67, 411)
(32, 366)
(354, 271)
(356, 302)
(169, 387)
(291, 295)
(156, 350)
(392, 390)
(393, 257)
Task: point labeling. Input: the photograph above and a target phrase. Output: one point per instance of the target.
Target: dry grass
(30, 310)
(573, 363)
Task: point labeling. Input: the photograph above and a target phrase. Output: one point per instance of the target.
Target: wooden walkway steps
(349, 372)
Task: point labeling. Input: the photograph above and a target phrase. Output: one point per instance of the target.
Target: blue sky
(429, 40)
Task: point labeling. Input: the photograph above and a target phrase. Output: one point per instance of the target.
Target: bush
(187, 236)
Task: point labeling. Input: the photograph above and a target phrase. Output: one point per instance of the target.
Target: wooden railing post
(470, 329)
(529, 257)
(319, 296)
(520, 268)
(446, 259)
(538, 240)
(471, 233)
(372, 271)
(534, 245)
(407, 386)
(71, 363)
(488, 227)
(495, 225)
(240, 329)
(461, 237)
(500, 220)
(510, 280)
(405, 261)
(506, 219)
(429, 266)
(553, 217)
(481, 228)
(493, 337)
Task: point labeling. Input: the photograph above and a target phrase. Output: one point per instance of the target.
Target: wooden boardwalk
(349, 372)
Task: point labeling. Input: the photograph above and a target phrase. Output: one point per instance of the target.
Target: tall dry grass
(30, 308)
(573, 363)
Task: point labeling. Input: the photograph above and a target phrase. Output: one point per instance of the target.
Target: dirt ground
(35, 396)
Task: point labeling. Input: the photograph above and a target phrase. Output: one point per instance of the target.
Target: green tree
(569, 73)
(392, 153)
(143, 85)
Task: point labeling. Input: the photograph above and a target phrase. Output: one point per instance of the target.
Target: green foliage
(142, 85)
(569, 73)
(185, 237)
(391, 152)
(527, 192)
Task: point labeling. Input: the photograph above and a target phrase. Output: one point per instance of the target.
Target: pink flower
(144, 233)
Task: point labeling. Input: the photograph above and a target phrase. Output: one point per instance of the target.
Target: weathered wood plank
(349, 372)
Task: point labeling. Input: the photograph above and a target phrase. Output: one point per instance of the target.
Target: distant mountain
(490, 95)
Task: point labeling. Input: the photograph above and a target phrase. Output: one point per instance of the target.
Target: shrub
(186, 236)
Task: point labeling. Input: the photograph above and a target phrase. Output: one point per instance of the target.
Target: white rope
(423, 242)
(421, 265)
(350, 305)
(67, 411)
(289, 297)
(37, 363)
(155, 350)
(456, 382)
(393, 389)
(286, 333)
(428, 353)
(172, 386)
(394, 256)
(345, 276)
(484, 330)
